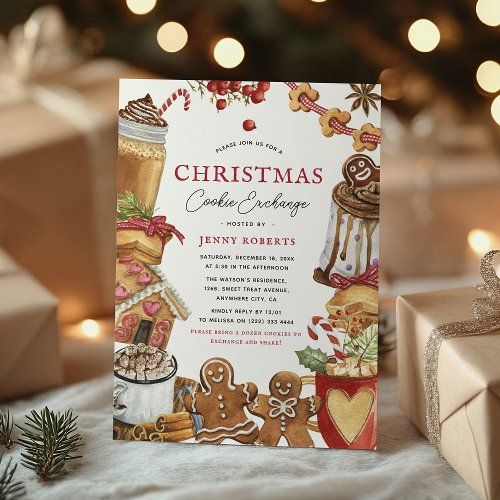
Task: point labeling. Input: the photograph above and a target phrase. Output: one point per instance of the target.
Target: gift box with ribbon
(29, 355)
(58, 163)
(449, 376)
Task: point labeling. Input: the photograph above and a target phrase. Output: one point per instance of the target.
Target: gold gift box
(468, 384)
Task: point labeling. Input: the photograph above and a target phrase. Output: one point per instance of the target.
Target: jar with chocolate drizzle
(141, 149)
(352, 236)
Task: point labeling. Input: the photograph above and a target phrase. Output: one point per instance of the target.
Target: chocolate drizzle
(361, 206)
(143, 111)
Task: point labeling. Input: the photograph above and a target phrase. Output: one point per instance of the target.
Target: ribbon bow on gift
(37, 56)
(487, 320)
(37, 49)
(156, 226)
(369, 278)
(282, 407)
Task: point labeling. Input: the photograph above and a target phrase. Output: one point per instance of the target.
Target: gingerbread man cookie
(284, 412)
(221, 403)
(360, 170)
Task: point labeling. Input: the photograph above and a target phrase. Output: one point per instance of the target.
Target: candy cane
(334, 335)
(178, 93)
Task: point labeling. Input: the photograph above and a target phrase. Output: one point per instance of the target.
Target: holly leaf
(314, 359)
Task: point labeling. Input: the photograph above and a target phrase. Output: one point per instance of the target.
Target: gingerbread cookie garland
(333, 121)
(285, 414)
(221, 403)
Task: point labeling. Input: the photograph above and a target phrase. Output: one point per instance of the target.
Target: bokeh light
(141, 7)
(90, 328)
(391, 81)
(172, 36)
(228, 52)
(495, 109)
(480, 241)
(488, 12)
(424, 35)
(488, 76)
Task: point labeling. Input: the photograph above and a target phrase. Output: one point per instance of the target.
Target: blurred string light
(488, 76)
(172, 36)
(141, 7)
(424, 35)
(229, 53)
(488, 12)
(90, 328)
(390, 80)
(318, 1)
(480, 241)
(495, 109)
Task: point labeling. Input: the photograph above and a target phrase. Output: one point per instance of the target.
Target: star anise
(364, 97)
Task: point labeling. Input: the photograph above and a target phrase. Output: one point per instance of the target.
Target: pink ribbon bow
(369, 278)
(157, 226)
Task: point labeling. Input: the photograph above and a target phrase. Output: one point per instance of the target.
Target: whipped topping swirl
(360, 202)
(143, 111)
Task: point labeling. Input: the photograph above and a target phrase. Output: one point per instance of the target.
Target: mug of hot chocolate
(144, 383)
(352, 238)
(141, 149)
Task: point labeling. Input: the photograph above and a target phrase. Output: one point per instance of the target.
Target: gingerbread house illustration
(146, 304)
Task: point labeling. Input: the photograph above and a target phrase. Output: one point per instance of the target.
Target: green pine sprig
(363, 346)
(128, 206)
(6, 425)
(10, 489)
(49, 440)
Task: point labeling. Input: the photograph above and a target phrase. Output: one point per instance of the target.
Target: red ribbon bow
(369, 278)
(157, 226)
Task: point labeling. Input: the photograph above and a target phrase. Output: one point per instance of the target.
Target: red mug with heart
(348, 417)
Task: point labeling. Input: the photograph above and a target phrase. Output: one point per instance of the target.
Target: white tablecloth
(405, 466)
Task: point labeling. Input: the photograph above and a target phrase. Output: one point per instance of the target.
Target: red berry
(265, 86)
(212, 86)
(257, 96)
(221, 104)
(222, 91)
(247, 90)
(223, 85)
(235, 86)
(248, 125)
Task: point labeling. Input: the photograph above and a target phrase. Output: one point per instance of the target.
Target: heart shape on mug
(349, 415)
(150, 307)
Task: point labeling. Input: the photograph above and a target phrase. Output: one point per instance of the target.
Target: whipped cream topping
(143, 111)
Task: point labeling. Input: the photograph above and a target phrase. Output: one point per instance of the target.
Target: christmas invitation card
(247, 261)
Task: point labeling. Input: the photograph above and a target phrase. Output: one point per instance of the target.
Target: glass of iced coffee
(141, 149)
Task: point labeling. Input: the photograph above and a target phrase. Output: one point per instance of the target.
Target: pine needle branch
(10, 489)
(49, 440)
(128, 206)
(6, 425)
(364, 346)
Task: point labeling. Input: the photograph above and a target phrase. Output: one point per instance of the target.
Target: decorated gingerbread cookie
(284, 412)
(222, 404)
(360, 170)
